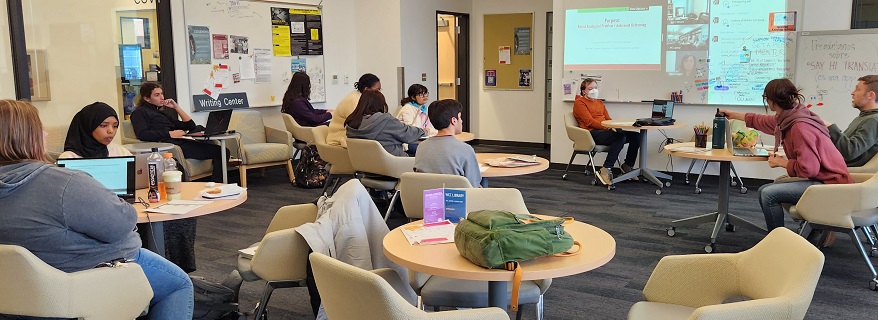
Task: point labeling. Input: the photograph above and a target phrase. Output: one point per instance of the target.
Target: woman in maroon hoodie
(809, 152)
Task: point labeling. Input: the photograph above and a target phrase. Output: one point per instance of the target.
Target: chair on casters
(779, 274)
(351, 293)
(337, 158)
(583, 143)
(439, 291)
(302, 136)
(735, 176)
(378, 169)
(281, 257)
(413, 184)
(30, 287)
(842, 208)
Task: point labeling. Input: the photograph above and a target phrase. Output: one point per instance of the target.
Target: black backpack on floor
(217, 301)
(310, 171)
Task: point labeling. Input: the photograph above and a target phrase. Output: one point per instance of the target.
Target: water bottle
(719, 130)
(155, 167)
(171, 178)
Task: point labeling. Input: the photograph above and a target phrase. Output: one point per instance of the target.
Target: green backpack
(491, 238)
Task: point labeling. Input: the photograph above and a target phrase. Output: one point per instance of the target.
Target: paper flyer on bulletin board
(199, 45)
(505, 55)
(220, 46)
(306, 28)
(490, 78)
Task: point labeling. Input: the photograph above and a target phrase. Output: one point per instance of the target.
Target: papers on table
(483, 168)
(249, 252)
(510, 162)
(178, 207)
(436, 233)
(688, 149)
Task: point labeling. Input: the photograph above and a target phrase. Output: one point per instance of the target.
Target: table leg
(649, 174)
(498, 294)
(153, 237)
(225, 163)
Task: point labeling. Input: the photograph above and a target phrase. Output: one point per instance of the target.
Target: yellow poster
(280, 40)
(305, 11)
(315, 34)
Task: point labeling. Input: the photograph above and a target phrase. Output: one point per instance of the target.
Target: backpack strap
(516, 283)
(568, 253)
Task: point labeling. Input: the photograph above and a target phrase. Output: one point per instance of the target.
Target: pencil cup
(701, 141)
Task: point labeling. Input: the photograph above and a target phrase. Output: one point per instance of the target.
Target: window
(865, 14)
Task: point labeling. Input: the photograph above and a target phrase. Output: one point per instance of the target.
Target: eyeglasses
(423, 94)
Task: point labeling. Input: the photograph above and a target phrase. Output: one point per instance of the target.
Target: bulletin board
(244, 35)
(508, 52)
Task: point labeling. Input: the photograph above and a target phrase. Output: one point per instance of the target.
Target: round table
(465, 136)
(721, 216)
(493, 172)
(144, 147)
(152, 222)
(651, 175)
(444, 259)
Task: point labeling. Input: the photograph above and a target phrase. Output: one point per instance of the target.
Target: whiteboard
(250, 19)
(830, 62)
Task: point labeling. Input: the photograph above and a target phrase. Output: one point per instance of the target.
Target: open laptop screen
(115, 173)
(662, 109)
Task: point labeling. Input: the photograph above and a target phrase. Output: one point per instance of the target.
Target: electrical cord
(149, 223)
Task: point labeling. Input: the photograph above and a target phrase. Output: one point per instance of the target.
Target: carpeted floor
(633, 214)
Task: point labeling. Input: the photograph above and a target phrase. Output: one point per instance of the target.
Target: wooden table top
(190, 190)
(492, 172)
(465, 136)
(711, 154)
(628, 124)
(444, 259)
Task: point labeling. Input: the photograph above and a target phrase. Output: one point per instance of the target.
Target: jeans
(773, 195)
(412, 148)
(172, 296)
(616, 140)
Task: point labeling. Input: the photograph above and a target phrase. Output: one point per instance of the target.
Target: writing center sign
(203, 102)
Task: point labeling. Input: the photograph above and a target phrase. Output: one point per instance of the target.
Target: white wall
(823, 15)
(509, 115)
(7, 80)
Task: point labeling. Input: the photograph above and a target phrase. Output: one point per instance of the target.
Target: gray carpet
(633, 214)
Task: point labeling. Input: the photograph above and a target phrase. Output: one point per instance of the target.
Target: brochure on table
(444, 204)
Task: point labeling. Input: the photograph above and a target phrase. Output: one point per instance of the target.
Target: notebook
(739, 151)
(217, 123)
(115, 173)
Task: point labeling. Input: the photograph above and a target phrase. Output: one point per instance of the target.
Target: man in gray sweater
(443, 153)
(859, 142)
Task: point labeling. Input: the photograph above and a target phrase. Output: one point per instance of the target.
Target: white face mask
(593, 93)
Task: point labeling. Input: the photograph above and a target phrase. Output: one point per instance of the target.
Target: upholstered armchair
(259, 146)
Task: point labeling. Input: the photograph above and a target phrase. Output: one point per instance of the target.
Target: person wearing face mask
(589, 112)
(91, 131)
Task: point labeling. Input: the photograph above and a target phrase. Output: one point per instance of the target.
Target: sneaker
(830, 238)
(626, 169)
(606, 176)
(233, 162)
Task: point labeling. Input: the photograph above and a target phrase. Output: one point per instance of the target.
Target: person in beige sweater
(337, 132)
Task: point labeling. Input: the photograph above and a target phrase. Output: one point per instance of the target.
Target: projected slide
(620, 38)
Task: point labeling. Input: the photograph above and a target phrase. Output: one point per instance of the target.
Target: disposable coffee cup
(173, 184)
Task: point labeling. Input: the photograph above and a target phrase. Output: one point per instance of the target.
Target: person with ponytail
(337, 132)
(413, 110)
(808, 156)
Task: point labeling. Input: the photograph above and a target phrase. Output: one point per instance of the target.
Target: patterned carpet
(633, 214)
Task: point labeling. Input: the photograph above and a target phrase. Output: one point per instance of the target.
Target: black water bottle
(719, 130)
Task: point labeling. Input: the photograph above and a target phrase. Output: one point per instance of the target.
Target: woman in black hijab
(91, 132)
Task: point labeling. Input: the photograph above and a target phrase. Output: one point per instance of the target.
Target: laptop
(141, 174)
(662, 114)
(739, 151)
(217, 123)
(115, 173)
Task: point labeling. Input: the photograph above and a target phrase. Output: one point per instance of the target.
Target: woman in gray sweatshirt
(370, 120)
(69, 220)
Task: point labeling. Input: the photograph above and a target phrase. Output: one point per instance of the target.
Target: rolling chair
(302, 136)
(779, 274)
(379, 169)
(736, 179)
(351, 293)
(30, 287)
(583, 143)
(413, 184)
(337, 158)
(281, 257)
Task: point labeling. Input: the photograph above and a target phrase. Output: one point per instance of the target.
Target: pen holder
(701, 141)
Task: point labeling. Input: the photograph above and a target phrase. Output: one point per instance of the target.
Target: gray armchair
(259, 146)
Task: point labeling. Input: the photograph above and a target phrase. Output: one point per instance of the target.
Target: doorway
(452, 56)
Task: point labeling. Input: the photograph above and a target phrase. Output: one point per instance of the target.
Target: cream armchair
(842, 208)
(30, 287)
(302, 136)
(870, 166)
(583, 143)
(779, 274)
(439, 291)
(194, 169)
(281, 257)
(413, 184)
(337, 157)
(55, 138)
(351, 293)
(380, 170)
(259, 146)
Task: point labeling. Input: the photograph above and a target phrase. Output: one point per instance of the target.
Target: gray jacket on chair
(388, 131)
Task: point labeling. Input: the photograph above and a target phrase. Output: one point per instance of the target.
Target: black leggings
(205, 151)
